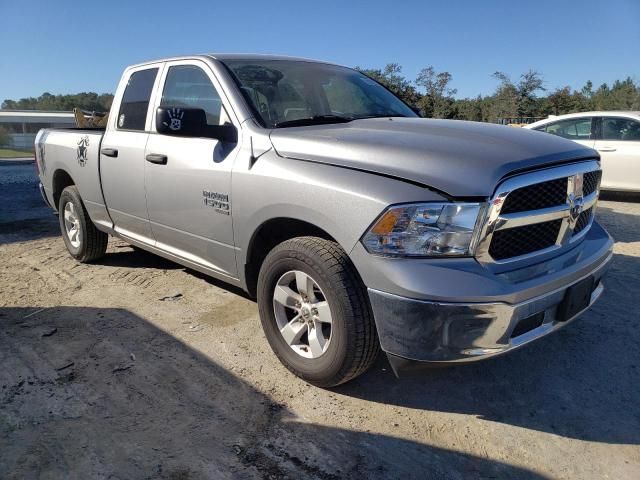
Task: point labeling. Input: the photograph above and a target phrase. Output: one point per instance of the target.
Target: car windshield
(288, 93)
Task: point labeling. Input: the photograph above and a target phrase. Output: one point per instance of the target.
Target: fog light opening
(527, 324)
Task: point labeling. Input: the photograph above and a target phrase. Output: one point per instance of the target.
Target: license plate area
(576, 298)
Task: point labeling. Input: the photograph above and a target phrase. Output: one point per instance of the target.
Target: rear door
(189, 192)
(122, 154)
(619, 146)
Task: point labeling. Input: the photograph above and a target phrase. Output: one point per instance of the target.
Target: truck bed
(76, 152)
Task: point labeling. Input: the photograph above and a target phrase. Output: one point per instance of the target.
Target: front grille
(591, 182)
(528, 212)
(537, 196)
(583, 221)
(517, 241)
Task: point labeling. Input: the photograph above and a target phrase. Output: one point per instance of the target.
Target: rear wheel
(83, 240)
(315, 311)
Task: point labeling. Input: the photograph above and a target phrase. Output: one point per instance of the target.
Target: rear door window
(135, 101)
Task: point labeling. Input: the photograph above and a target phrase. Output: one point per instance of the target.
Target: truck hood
(462, 159)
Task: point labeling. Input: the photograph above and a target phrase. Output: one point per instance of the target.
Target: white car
(615, 135)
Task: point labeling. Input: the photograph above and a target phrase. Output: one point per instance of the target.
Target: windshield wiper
(315, 120)
(389, 115)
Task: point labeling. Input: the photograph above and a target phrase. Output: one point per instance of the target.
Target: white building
(23, 125)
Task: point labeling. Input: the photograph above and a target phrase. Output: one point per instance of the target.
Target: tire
(86, 243)
(350, 340)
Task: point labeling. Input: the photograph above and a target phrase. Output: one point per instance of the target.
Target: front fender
(340, 201)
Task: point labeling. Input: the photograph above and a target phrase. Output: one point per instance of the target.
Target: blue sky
(68, 47)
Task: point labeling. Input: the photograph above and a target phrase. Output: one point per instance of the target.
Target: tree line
(86, 101)
(432, 92)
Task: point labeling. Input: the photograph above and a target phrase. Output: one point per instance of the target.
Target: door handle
(157, 158)
(606, 149)
(109, 152)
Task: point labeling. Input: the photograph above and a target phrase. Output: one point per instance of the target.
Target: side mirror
(192, 122)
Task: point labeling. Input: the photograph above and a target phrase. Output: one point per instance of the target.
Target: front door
(189, 190)
(619, 148)
(122, 156)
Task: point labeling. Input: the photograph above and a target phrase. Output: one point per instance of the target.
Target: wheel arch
(60, 180)
(270, 233)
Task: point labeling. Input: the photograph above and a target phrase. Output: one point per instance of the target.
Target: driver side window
(189, 86)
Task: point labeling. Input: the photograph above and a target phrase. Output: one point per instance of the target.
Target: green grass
(11, 153)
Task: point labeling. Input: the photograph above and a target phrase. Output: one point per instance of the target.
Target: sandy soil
(138, 368)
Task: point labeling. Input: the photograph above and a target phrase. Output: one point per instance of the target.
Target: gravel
(130, 385)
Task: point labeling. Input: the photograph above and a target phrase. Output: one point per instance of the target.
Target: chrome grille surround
(568, 212)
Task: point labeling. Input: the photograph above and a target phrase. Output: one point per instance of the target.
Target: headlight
(424, 230)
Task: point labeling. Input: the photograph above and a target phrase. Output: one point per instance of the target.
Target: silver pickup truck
(355, 223)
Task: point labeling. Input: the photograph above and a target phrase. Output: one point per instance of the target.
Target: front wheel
(83, 240)
(315, 312)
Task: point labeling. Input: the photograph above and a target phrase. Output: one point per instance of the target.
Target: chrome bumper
(438, 332)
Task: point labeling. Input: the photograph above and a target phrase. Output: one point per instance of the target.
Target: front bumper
(441, 331)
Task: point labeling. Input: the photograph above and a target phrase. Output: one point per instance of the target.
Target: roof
(258, 56)
(603, 113)
(231, 56)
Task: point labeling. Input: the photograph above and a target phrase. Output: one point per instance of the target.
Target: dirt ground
(135, 368)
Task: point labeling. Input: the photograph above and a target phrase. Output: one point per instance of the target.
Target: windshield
(287, 93)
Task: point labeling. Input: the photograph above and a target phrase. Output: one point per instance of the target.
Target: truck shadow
(581, 382)
(623, 227)
(124, 255)
(101, 392)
